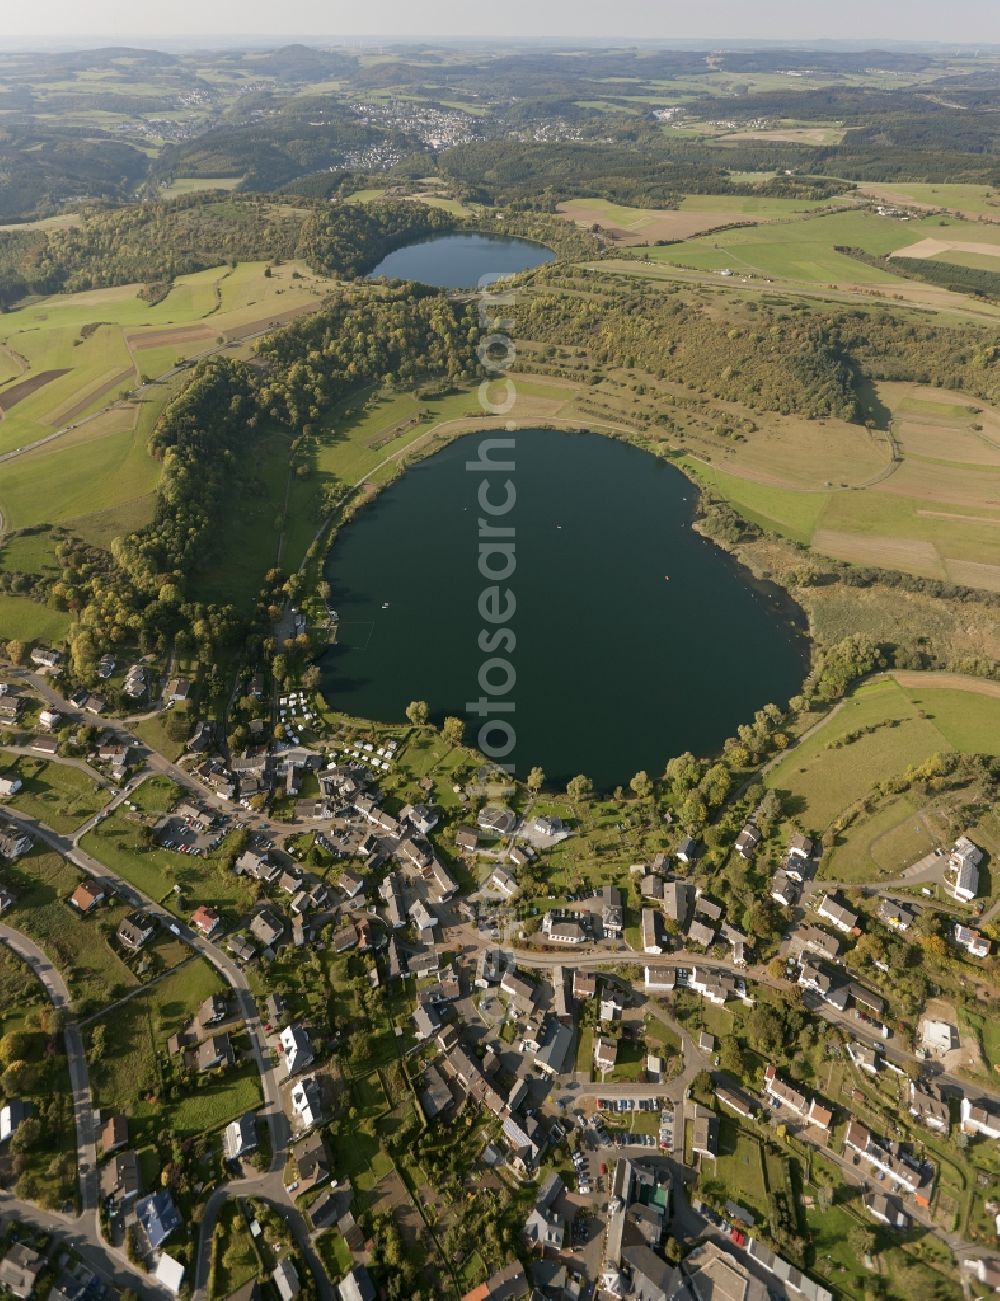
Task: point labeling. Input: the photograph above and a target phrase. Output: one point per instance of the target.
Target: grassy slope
(908, 725)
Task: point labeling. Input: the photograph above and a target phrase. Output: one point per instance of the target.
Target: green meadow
(900, 726)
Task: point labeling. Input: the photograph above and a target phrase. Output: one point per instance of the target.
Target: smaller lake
(460, 261)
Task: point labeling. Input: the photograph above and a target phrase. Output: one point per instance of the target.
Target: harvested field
(10, 397)
(908, 554)
(971, 573)
(803, 135)
(140, 341)
(271, 322)
(933, 248)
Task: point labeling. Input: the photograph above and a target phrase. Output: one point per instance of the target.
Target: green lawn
(26, 620)
(138, 1029)
(790, 512)
(156, 795)
(740, 1166)
(60, 796)
(118, 843)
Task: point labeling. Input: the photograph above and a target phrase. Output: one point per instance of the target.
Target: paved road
(83, 1103)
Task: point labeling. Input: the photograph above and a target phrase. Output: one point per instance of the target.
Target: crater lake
(458, 261)
(636, 638)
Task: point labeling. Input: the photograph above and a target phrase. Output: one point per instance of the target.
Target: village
(633, 1145)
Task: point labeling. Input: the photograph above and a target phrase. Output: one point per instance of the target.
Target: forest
(154, 242)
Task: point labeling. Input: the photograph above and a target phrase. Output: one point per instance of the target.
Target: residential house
(687, 850)
(466, 839)
(357, 1286)
(652, 939)
(443, 883)
(215, 1052)
(19, 1270)
(785, 890)
(307, 1102)
(964, 862)
(903, 1175)
(611, 913)
(502, 882)
(213, 1010)
(897, 916)
(866, 1057)
(800, 846)
(426, 1021)
(313, 1162)
(544, 1228)
(297, 1048)
(434, 1095)
(422, 818)
(605, 1053)
(584, 983)
(240, 1137)
(977, 1118)
(267, 927)
(701, 934)
(135, 930)
(423, 919)
(47, 745)
(158, 1217)
(286, 1279)
(256, 867)
(121, 1179)
(814, 978)
(813, 939)
(678, 902)
(748, 840)
(716, 987)
(659, 980)
(733, 1100)
(652, 1278)
(14, 842)
(391, 891)
(87, 895)
(507, 1284)
(837, 914)
(114, 1135)
(49, 719)
(12, 1114)
(522, 992)
(928, 1105)
(974, 943)
(45, 658)
(783, 1095)
(704, 1131)
(552, 1045)
(887, 1210)
(489, 968)
(206, 920)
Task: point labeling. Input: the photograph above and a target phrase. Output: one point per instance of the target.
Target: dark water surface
(458, 261)
(636, 638)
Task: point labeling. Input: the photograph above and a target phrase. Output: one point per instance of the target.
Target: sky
(959, 21)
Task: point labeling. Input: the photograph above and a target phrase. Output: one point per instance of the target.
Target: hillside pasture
(893, 726)
(804, 249)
